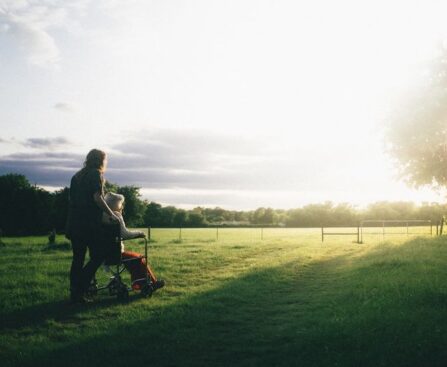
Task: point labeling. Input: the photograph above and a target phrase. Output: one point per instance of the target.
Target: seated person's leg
(150, 272)
(134, 266)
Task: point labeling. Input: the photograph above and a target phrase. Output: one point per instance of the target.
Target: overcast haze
(238, 104)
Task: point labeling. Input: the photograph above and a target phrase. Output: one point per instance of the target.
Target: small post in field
(437, 229)
(217, 233)
(149, 234)
(358, 233)
(322, 234)
(52, 237)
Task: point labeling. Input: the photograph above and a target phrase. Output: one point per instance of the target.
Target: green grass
(286, 300)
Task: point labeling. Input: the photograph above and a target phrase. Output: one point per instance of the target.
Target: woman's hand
(113, 218)
(99, 200)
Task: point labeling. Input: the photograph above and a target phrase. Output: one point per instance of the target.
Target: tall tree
(417, 131)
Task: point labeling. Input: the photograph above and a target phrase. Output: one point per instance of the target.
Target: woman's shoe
(158, 284)
(76, 298)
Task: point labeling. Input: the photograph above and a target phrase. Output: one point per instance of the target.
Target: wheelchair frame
(116, 285)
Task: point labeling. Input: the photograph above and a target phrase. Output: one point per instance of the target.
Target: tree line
(26, 209)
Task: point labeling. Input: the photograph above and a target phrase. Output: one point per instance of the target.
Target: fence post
(217, 233)
(358, 233)
(51, 237)
(149, 234)
(437, 229)
(361, 232)
(322, 234)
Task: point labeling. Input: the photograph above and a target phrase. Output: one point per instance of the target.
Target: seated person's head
(114, 201)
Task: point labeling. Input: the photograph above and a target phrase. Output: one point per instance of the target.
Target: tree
(24, 209)
(59, 210)
(13, 182)
(344, 214)
(134, 207)
(195, 219)
(258, 216)
(417, 132)
(152, 215)
(270, 217)
(167, 216)
(110, 187)
(180, 218)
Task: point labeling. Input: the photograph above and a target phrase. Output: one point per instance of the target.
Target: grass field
(286, 300)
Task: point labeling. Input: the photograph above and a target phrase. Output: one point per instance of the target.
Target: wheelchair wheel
(114, 287)
(123, 294)
(146, 291)
(92, 289)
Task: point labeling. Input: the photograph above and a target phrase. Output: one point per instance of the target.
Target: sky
(238, 104)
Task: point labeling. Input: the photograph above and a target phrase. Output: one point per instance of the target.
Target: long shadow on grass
(59, 311)
(332, 313)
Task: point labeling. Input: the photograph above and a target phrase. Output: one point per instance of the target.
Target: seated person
(138, 268)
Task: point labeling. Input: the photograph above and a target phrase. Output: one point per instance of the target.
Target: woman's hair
(114, 201)
(95, 160)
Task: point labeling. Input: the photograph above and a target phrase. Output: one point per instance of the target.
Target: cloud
(38, 44)
(65, 107)
(187, 166)
(31, 24)
(202, 160)
(46, 143)
(187, 149)
(157, 159)
(52, 169)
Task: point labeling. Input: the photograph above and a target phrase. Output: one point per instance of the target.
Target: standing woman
(84, 222)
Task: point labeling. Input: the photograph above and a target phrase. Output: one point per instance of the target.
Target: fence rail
(323, 233)
(405, 224)
(364, 228)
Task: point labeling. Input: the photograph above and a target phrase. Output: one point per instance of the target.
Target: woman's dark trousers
(80, 275)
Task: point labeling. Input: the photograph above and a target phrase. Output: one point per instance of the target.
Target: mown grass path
(288, 300)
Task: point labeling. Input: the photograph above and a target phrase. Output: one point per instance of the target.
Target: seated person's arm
(125, 233)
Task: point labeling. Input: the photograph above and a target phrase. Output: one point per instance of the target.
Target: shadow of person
(61, 311)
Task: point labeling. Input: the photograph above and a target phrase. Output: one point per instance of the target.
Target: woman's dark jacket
(84, 215)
